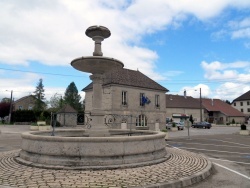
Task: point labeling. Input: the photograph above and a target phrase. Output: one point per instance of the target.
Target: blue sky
(181, 44)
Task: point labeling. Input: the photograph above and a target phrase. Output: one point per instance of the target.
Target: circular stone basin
(71, 148)
(96, 64)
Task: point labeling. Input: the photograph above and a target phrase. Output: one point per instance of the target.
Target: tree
(56, 101)
(39, 94)
(228, 102)
(72, 97)
(5, 100)
(4, 109)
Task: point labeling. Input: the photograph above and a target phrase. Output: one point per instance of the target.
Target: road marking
(210, 144)
(228, 161)
(214, 150)
(227, 142)
(247, 177)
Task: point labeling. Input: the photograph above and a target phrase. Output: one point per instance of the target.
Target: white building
(242, 103)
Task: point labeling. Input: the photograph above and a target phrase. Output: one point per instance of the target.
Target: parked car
(202, 124)
(179, 125)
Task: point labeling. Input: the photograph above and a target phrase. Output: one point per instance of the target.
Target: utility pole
(10, 106)
(200, 106)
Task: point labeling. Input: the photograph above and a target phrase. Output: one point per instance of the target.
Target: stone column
(97, 92)
(98, 46)
(98, 128)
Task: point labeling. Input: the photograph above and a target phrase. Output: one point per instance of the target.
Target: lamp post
(200, 106)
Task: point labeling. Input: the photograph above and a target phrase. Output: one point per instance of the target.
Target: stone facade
(112, 104)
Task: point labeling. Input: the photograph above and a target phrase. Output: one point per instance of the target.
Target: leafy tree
(233, 121)
(56, 101)
(72, 97)
(228, 102)
(4, 109)
(7, 100)
(39, 94)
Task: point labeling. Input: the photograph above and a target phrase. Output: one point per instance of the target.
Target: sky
(181, 44)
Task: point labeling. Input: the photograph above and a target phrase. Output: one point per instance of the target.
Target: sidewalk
(14, 129)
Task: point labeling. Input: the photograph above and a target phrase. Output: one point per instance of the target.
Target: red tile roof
(217, 105)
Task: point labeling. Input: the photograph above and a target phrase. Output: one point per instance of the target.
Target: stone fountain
(97, 65)
(98, 147)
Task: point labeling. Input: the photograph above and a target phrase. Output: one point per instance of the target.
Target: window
(241, 103)
(248, 110)
(157, 100)
(124, 98)
(248, 102)
(20, 107)
(141, 121)
(241, 110)
(30, 107)
(142, 95)
(235, 104)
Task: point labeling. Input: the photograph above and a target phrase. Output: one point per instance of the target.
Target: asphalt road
(229, 152)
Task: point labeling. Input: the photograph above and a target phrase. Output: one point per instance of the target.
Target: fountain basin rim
(34, 135)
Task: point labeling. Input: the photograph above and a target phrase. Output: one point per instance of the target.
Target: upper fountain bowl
(100, 31)
(96, 64)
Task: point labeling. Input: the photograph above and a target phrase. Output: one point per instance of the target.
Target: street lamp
(200, 106)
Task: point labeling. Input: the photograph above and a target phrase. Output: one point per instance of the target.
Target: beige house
(219, 112)
(25, 103)
(129, 97)
(242, 103)
(179, 108)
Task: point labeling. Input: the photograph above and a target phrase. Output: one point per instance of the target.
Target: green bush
(233, 121)
(29, 115)
(164, 130)
(243, 127)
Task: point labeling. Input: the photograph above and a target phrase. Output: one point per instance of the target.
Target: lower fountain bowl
(73, 149)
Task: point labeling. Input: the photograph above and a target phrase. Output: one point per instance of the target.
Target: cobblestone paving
(180, 164)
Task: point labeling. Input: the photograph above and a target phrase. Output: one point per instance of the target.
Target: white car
(179, 125)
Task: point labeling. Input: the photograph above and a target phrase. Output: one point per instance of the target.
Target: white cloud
(52, 32)
(241, 33)
(26, 85)
(231, 90)
(195, 91)
(222, 71)
(240, 28)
